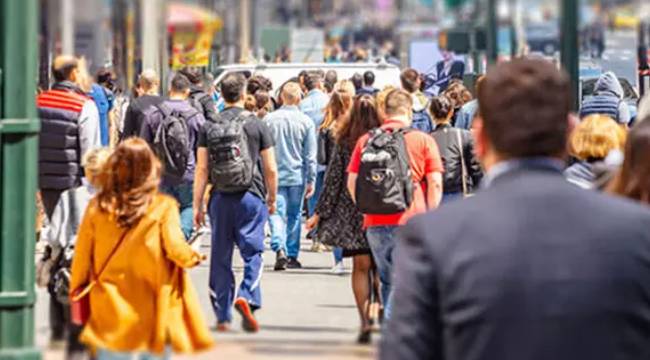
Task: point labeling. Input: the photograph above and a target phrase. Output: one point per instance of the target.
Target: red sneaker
(249, 323)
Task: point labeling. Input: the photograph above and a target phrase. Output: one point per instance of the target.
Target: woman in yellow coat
(143, 302)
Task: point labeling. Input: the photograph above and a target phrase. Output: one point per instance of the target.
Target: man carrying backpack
(394, 173)
(236, 155)
(199, 98)
(410, 79)
(172, 128)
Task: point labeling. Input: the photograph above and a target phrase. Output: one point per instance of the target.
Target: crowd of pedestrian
(507, 240)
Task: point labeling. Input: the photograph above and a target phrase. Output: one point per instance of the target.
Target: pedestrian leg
(185, 197)
(250, 241)
(382, 242)
(294, 210)
(222, 280)
(278, 222)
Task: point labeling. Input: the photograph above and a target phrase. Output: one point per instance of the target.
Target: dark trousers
(236, 219)
(63, 329)
(50, 198)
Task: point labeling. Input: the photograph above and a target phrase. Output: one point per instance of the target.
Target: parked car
(543, 37)
(385, 74)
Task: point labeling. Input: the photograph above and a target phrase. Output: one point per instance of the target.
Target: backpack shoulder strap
(164, 109)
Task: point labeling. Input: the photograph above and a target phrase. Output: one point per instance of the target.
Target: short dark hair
(357, 80)
(331, 77)
(180, 83)
(232, 87)
(312, 80)
(525, 106)
(63, 72)
(193, 74)
(104, 76)
(368, 78)
(409, 79)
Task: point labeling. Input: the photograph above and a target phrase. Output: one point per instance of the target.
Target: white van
(385, 74)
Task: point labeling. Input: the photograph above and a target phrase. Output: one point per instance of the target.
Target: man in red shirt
(426, 170)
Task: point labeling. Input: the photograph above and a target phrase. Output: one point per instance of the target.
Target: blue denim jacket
(295, 145)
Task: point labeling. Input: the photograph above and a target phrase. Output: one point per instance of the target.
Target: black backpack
(172, 140)
(231, 164)
(384, 184)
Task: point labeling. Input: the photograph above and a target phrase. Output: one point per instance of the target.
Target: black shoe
(294, 263)
(280, 261)
(364, 337)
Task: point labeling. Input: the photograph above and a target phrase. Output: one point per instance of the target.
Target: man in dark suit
(532, 267)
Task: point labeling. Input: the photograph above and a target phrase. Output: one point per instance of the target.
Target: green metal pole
(19, 128)
(491, 32)
(570, 46)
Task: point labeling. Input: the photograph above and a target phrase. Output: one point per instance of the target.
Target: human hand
(199, 217)
(312, 222)
(270, 204)
(309, 191)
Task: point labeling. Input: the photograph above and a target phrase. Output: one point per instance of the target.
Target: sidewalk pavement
(307, 314)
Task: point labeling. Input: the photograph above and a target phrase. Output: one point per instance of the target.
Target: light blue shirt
(295, 145)
(466, 115)
(313, 105)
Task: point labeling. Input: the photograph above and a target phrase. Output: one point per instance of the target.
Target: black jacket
(136, 112)
(450, 150)
(203, 102)
(530, 268)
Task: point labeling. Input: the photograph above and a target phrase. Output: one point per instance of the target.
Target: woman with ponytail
(337, 220)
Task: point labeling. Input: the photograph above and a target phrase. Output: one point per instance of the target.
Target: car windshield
(589, 85)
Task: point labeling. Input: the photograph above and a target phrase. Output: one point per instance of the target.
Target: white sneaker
(338, 269)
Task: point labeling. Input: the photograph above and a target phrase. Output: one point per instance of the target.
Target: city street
(307, 314)
(620, 54)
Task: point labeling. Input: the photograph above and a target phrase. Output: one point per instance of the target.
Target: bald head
(291, 93)
(148, 82)
(65, 67)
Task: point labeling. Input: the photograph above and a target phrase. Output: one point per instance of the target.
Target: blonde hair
(381, 101)
(340, 103)
(595, 137)
(93, 163)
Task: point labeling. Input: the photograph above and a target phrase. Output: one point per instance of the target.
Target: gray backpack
(230, 161)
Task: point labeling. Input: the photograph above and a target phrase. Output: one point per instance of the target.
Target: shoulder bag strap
(463, 169)
(96, 277)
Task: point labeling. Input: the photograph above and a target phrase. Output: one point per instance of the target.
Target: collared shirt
(313, 105)
(294, 134)
(508, 166)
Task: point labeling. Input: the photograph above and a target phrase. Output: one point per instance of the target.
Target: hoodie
(608, 93)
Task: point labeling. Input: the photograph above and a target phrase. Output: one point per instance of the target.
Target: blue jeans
(285, 223)
(450, 197)
(183, 193)
(318, 189)
(103, 354)
(382, 242)
(338, 255)
(236, 219)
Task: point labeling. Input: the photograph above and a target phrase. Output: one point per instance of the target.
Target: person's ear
(74, 75)
(481, 142)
